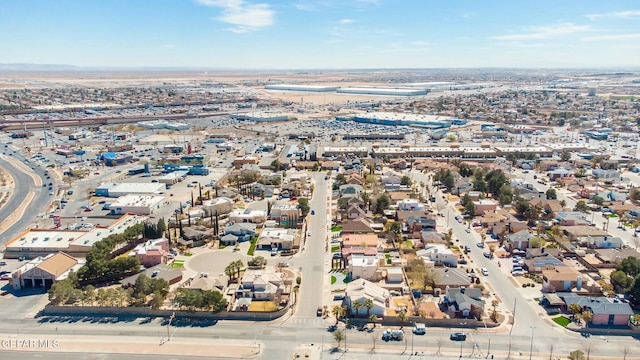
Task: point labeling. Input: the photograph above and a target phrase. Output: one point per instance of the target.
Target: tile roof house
(44, 271)
(206, 283)
(357, 226)
(261, 284)
(540, 263)
(243, 231)
(615, 256)
(361, 290)
(438, 254)
(562, 278)
(359, 240)
(152, 252)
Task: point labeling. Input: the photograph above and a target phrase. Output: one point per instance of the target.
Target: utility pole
(531, 347)
(173, 315)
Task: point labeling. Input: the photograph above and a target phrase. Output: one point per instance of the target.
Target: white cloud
(245, 17)
(612, 37)
(629, 14)
(545, 32)
(347, 21)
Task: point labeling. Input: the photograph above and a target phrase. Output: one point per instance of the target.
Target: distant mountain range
(38, 67)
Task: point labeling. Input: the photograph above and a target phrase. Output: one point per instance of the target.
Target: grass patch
(333, 279)
(177, 264)
(262, 306)
(335, 248)
(612, 216)
(336, 228)
(252, 247)
(407, 244)
(562, 321)
(187, 254)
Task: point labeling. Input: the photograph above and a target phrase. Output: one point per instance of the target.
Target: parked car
(485, 272)
(338, 297)
(319, 311)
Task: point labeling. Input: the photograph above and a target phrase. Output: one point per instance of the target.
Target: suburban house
(248, 216)
(485, 206)
(606, 311)
(44, 271)
(355, 212)
(261, 284)
(238, 232)
(571, 218)
(519, 240)
(539, 263)
(358, 226)
(359, 240)
(152, 252)
(562, 278)
(361, 290)
(277, 238)
(410, 205)
(463, 302)
(548, 206)
(604, 242)
(365, 267)
(615, 256)
(444, 278)
(418, 224)
(350, 190)
(204, 282)
(438, 254)
(220, 205)
(285, 215)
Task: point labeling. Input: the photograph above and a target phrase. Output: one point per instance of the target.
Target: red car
(88, 209)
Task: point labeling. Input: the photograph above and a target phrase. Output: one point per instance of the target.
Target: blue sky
(321, 34)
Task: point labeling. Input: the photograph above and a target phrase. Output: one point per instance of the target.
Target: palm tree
(230, 271)
(368, 303)
(357, 306)
(338, 311)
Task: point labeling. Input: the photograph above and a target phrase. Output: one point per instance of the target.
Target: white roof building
(136, 204)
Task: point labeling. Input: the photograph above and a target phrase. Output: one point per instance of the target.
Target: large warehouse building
(404, 119)
(382, 91)
(291, 87)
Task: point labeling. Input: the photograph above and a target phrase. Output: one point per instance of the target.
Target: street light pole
(531, 347)
(173, 315)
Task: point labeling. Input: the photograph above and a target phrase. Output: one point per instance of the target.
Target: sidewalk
(219, 348)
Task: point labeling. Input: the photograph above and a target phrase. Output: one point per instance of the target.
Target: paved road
(23, 184)
(525, 316)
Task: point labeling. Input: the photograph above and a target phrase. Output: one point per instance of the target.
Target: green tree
(598, 200)
(552, 194)
(303, 204)
(505, 195)
(406, 180)
(574, 310)
(581, 206)
(338, 311)
(382, 203)
(565, 155)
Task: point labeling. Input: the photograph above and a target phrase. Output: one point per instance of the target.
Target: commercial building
(44, 271)
(382, 91)
(77, 243)
(136, 204)
(115, 190)
(164, 124)
(291, 87)
(260, 116)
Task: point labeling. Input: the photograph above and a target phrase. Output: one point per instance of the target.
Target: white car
(485, 272)
(308, 233)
